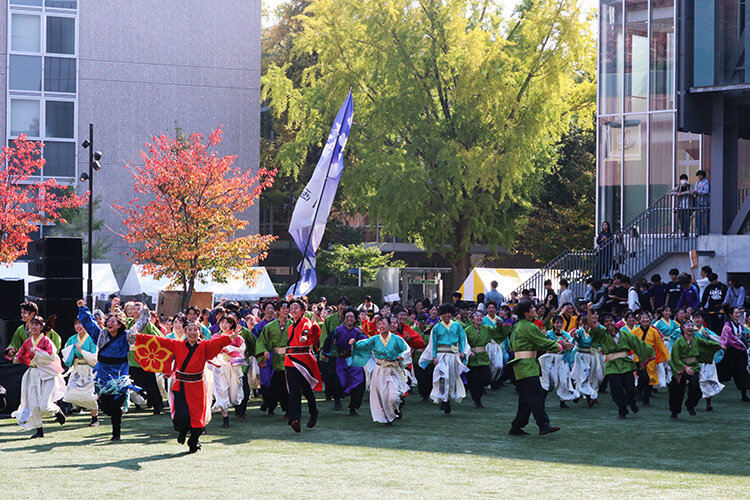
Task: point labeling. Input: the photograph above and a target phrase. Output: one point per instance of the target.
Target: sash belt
(448, 348)
(302, 349)
(614, 355)
(387, 363)
(689, 360)
(525, 354)
(188, 377)
(112, 361)
(480, 348)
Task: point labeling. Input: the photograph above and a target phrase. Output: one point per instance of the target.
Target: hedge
(355, 294)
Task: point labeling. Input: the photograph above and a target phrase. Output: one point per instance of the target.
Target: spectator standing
(701, 194)
(566, 295)
(712, 302)
(674, 290)
(735, 295)
(688, 295)
(493, 295)
(550, 297)
(657, 293)
(703, 281)
(604, 250)
(684, 201)
(368, 305)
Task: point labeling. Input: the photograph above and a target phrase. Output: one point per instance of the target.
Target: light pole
(94, 157)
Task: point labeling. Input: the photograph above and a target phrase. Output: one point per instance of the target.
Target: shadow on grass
(590, 437)
(132, 464)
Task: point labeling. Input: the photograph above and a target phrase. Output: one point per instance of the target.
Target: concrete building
(134, 69)
(674, 98)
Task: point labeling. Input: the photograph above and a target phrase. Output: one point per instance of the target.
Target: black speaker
(66, 312)
(56, 257)
(12, 294)
(56, 268)
(57, 288)
(7, 329)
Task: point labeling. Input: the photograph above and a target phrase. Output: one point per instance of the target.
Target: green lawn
(467, 453)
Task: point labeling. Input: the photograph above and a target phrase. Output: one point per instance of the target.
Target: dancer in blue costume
(112, 369)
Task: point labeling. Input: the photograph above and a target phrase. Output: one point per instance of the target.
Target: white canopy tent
(104, 282)
(138, 283)
(479, 280)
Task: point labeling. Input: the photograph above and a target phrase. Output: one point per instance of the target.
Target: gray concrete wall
(731, 255)
(144, 65)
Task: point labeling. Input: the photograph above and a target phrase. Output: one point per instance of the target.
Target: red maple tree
(26, 203)
(190, 229)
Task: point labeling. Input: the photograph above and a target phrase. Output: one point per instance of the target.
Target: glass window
(25, 73)
(59, 74)
(662, 54)
(37, 3)
(636, 55)
(661, 160)
(25, 33)
(61, 4)
(61, 35)
(61, 159)
(24, 117)
(610, 170)
(59, 119)
(635, 146)
(611, 57)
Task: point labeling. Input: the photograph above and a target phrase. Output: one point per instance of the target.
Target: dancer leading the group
(526, 340)
(302, 374)
(188, 395)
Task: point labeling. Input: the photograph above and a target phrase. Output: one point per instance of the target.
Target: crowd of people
(632, 340)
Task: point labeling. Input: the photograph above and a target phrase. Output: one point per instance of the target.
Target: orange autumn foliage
(24, 202)
(190, 226)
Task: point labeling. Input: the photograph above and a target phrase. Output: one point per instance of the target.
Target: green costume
(21, 334)
(627, 342)
(700, 349)
(249, 339)
(481, 338)
(527, 336)
(272, 336)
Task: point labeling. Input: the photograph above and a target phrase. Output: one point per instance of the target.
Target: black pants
(644, 386)
(332, 386)
(530, 401)
(241, 409)
(684, 215)
(478, 377)
(277, 393)
(298, 386)
(424, 379)
(147, 381)
(112, 406)
(677, 392)
(355, 397)
(622, 390)
(734, 366)
(715, 322)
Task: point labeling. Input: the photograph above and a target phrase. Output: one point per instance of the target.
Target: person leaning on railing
(684, 198)
(701, 193)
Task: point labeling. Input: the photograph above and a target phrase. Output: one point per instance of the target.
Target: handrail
(663, 228)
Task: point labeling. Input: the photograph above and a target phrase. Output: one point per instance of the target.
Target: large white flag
(314, 203)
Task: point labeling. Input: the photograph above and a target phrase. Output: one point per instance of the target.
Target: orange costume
(653, 338)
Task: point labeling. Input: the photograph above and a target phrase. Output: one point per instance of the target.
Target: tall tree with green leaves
(77, 224)
(563, 214)
(455, 104)
(341, 258)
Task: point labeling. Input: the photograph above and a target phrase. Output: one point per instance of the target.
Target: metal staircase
(651, 237)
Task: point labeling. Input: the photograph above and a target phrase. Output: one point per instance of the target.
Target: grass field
(427, 454)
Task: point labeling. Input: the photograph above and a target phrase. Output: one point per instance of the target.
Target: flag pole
(315, 217)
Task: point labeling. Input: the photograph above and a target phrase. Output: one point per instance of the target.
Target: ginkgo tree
(25, 201)
(189, 227)
(457, 106)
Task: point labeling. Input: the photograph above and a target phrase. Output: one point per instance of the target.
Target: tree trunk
(460, 269)
(187, 293)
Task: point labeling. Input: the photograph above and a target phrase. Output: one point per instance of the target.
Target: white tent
(138, 283)
(479, 280)
(104, 282)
